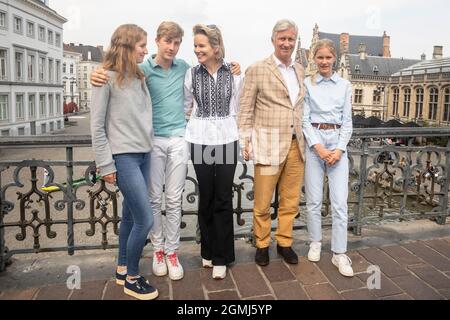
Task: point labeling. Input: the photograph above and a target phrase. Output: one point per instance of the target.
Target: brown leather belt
(326, 126)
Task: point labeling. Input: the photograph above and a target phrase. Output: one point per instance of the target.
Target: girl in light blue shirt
(328, 127)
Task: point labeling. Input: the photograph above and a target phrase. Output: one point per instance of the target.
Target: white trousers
(338, 179)
(168, 167)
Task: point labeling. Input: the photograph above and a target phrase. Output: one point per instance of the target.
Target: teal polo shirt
(167, 91)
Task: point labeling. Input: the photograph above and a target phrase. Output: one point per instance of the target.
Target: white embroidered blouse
(212, 102)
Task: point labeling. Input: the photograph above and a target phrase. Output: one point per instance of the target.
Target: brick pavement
(418, 270)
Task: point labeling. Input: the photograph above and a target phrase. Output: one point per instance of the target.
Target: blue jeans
(133, 175)
(338, 177)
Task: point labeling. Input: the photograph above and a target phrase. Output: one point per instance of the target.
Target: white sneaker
(176, 271)
(207, 264)
(344, 264)
(314, 251)
(159, 264)
(219, 272)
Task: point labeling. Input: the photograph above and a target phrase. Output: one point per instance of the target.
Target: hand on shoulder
(99, 77)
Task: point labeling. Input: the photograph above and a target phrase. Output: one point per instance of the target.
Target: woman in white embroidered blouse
(212, 101)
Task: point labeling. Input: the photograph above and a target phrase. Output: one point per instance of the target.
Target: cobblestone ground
(417, 270)
(413, 257)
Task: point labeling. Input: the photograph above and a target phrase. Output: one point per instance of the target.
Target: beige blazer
(267, 117)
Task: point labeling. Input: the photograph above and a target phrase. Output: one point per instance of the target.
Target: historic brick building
(422, 92)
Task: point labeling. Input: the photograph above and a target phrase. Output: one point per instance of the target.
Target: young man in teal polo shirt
(165, 80)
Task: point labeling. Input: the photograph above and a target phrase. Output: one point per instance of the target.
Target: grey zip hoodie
(121, 121)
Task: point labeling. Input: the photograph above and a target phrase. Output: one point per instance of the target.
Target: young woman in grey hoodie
(122, 138)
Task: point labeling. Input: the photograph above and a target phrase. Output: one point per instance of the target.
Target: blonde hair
(214, 37)
(169, 29)
(324, 43)
(120, 56)
(284, 25)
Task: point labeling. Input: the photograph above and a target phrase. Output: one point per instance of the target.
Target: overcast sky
(415, 26)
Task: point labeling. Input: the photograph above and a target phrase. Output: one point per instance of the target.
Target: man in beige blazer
(270, 125)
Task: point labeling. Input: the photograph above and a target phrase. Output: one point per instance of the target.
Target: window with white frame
(31, 106)
(4, 107)
(41, 33)
(447, 105)
(50, 36)
(42, 111)
(358, 96)
(51, 106)
(419, 102)
(434, 100)
(407, 102)
(3, 21)
(64, 67)
(50, 71)
(376, 97)
(30, 29)
(41, 69)
(71, 68)
(58, 71)
(18, 62)
(85, 96)
(396, 102)
(58, 40)
(20, 114)
(3, 64)
(18, 25)
(58, 105)
(31, 67)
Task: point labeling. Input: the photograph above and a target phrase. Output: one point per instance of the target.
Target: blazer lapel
(300, 76)
(276, 72)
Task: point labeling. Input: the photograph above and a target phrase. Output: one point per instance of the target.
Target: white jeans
(168, 167)
(338, 178)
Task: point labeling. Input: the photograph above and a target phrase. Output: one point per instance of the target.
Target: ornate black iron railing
(388, 182)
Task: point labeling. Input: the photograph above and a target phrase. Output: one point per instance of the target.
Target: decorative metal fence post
(69, 198)
(360, 209)
(2, 233)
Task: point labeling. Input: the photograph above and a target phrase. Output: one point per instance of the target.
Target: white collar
(279, 63)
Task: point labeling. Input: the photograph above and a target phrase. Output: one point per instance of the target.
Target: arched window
(396, 102)
(447, 105)
(419, 103)
(407, 102)
(434, 102)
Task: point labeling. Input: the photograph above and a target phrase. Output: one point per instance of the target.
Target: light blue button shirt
(328, 101)
(167, 91)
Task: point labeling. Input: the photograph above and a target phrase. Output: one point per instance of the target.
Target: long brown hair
(120, 56)
(324, 43)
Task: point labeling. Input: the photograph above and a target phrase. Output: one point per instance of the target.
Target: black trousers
(215, 167)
